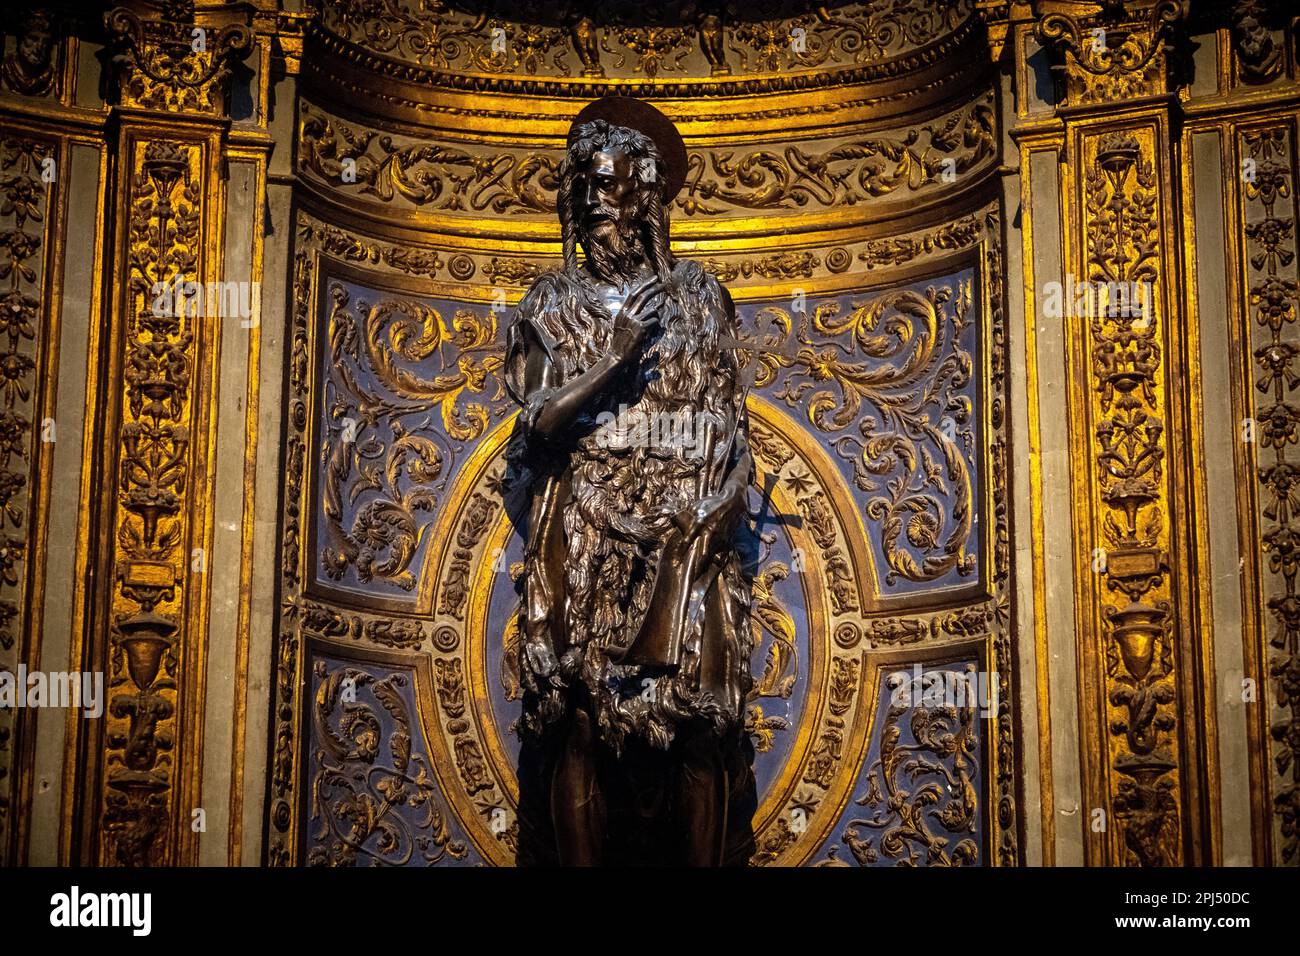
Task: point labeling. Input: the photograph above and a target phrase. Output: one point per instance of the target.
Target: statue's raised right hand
(639, 315)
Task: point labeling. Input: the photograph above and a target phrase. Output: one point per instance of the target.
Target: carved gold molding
(831, 43)
(1137, 649)
(481, 271)
(845, 180)
(155, 611)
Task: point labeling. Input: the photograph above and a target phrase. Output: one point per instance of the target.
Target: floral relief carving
(921, 802)
(854, 171)
(1273, 292)
(391, 169)
(374, 798)
(898, 355)
(147, 651)
(567, 39)
(381, 465)
(423, 174)
(1122, 249)
(24, 204)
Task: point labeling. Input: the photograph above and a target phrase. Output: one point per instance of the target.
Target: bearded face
(608, 199)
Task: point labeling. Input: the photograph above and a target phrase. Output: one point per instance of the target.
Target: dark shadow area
(632, 14)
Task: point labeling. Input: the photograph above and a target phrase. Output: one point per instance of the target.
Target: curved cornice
(427, 96)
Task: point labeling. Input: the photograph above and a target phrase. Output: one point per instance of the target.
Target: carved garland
(24, 202)
(1272, 287)
(1122, 249)
(153, 518)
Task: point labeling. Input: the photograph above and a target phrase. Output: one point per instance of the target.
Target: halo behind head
(644, 118)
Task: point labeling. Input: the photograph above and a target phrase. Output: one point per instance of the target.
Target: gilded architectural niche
(408, 522)
(878, 425)
(1016, 283)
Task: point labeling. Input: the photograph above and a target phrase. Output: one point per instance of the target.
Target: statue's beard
(614, 255)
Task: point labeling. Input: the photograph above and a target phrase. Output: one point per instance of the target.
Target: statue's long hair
(651, 211)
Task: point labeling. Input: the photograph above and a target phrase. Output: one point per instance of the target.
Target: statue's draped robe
(587, 577)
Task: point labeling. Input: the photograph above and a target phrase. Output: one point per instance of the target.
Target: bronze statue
(632, 445)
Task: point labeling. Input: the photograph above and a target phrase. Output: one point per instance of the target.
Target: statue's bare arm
(560, 405)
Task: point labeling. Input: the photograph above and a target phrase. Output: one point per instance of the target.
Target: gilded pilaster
(1142, 672)
(156, 444)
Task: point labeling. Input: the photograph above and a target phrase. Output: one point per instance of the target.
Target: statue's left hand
(708, 515)
(541, 659)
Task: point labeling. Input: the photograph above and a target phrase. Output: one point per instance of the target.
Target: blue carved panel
(919, 795)
(410, 383)
(373, 796)
(888, 382)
